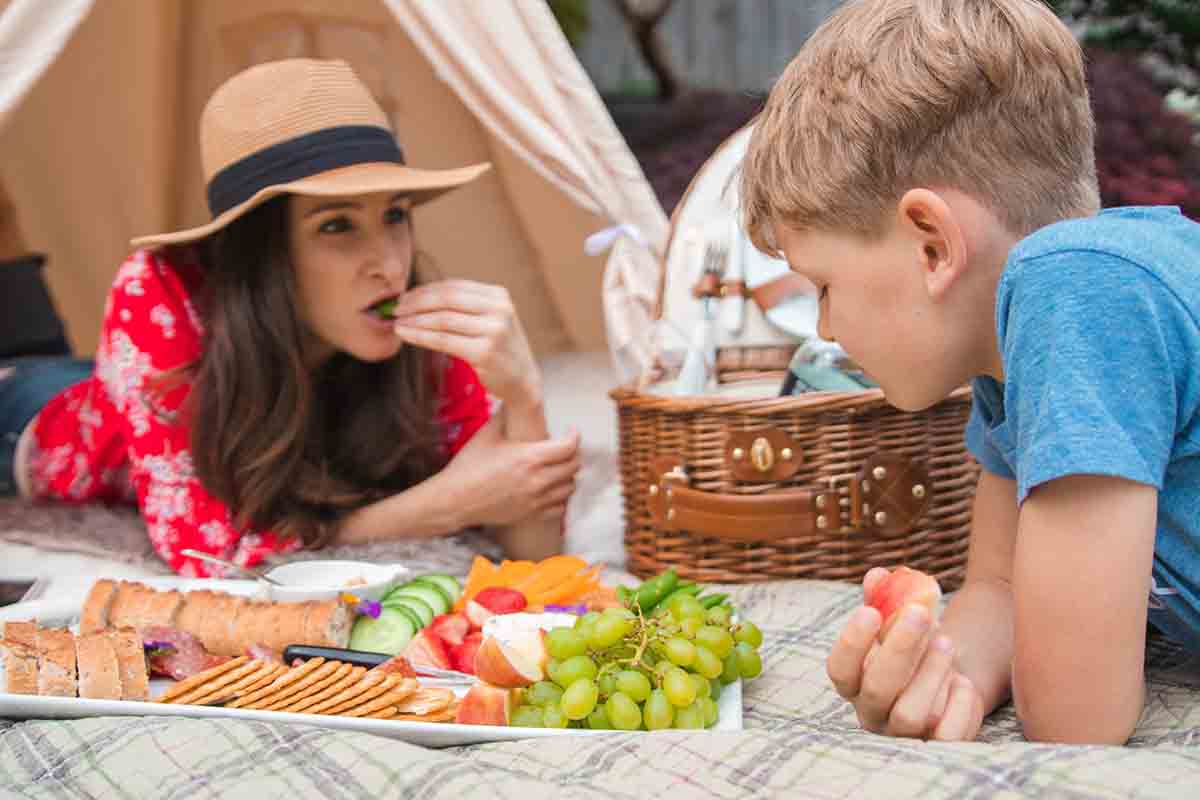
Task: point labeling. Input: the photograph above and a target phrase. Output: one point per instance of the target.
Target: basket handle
(889, 496)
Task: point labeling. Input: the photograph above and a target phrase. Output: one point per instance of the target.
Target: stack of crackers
(316, 686)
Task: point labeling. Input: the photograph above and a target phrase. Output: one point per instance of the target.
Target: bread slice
(131, 664)
(256, 625)
(56, 662)
(97, 605)
(99, 675)
(293, 622)
(126, 608)
(328, 624)
(160, 608)
(20, 657)
(201, 616)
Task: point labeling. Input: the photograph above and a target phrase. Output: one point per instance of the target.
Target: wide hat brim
(419, 185)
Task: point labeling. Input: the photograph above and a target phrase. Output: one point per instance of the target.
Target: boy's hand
(907, 686)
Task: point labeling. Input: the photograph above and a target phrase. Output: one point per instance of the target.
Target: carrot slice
(513, 572)
(482, 570)
(570, 589)
(549, 573)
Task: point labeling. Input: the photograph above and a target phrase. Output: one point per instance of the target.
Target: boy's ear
(938, 242)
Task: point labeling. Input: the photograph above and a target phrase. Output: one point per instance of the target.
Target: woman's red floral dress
(100, 440)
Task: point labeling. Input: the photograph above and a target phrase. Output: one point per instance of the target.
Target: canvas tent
(99, 101)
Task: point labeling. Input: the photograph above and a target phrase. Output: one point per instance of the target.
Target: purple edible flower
(577, 610)
(157, 648)
(369, 608)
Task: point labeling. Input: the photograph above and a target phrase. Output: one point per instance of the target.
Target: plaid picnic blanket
(800, 740)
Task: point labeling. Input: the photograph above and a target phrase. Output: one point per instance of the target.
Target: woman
(281, 377)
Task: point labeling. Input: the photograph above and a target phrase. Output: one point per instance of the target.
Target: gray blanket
(801, 740)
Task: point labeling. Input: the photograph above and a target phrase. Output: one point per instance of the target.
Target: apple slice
(899, 588)
(477, 615)
(485, 705)
(506, 666)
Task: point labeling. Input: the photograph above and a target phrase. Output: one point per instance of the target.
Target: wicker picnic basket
(818, 485)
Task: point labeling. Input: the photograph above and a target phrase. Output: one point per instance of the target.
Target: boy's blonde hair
(988, 97)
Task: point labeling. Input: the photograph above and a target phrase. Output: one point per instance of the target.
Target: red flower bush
(1145, 154)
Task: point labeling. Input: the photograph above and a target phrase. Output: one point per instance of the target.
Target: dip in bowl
(324, 580)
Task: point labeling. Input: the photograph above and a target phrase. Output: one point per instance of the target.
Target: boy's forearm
(979, 620)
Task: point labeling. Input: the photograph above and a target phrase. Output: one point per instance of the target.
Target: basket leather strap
(763, 517)
(766, 296)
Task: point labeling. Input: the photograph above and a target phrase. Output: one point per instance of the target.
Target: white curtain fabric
(32, 33)
(511, 65)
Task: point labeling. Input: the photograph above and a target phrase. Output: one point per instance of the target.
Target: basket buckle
(890, 494)
(762, 455)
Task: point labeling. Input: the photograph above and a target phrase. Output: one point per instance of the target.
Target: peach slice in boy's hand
(899, 588)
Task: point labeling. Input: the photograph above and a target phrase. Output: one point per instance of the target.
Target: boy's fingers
(964, 714)
(873, 576)
(846, 659)
(913, 715)
(893, 666)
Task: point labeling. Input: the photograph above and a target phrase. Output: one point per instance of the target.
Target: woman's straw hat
(301, 127)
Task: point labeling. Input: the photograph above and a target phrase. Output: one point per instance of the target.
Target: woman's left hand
(477, 323)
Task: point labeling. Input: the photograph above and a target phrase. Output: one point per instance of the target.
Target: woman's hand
(496, 482)
(477, 323)
(907, 686)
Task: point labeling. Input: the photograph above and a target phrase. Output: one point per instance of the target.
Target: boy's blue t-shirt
(1098, 323)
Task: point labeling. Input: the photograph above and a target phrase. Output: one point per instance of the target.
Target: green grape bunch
(659, 662)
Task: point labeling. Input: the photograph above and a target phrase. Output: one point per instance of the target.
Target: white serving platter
(61, 608)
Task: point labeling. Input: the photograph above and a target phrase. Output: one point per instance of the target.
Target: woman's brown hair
(286, 447)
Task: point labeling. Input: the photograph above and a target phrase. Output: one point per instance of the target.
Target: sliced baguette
(97, 606)
(20, 657)
(131, 664)
(56, 662)
(99, 675)
(328, 624)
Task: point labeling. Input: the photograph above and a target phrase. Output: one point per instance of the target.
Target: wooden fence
(717, 44)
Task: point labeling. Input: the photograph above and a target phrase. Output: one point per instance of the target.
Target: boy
(928, 164)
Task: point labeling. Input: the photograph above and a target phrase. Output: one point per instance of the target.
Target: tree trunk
(643, 24)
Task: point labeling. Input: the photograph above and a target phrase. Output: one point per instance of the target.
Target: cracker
(426, 700)
(314, 688)
(296, 687)
(282, 682)
(229, 684)
(386, 713)
(388, 700)
(298, 705)
(219, 683)
(188, 684)
(448, 714)
(368, 681)
(366, 689)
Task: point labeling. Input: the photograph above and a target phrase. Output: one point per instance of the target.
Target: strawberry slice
(451, 628)
(501, 600)
(463, 655)
(426, 649)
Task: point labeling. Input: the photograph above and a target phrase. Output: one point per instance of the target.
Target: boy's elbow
(1050, 723)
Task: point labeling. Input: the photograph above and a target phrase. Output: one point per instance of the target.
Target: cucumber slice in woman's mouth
(385, 309)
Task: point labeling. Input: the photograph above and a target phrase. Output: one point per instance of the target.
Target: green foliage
(1168, 28)
(572, 16)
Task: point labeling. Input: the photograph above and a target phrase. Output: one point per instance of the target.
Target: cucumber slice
(446, 583)
(424, 584)
(388, 634)
(406, 611)
(415, 605)
(434, 598)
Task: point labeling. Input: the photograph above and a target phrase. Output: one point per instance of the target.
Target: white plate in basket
(63, 609)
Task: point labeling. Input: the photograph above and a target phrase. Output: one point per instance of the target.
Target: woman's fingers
(454, 295)
(846, 659)
(893, 667)
(913, 714)
(964, 713)
(468, 348)
(456, 322)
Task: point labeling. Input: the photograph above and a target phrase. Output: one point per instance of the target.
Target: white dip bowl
(324, 580)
